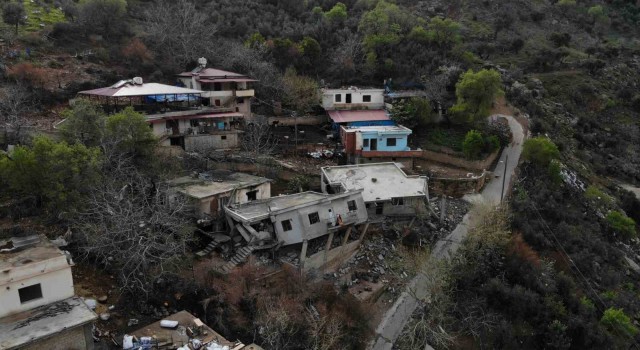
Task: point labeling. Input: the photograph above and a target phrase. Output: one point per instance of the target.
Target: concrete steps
(217, 239)
(240, 257)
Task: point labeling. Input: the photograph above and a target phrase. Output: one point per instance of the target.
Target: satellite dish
(137, 80)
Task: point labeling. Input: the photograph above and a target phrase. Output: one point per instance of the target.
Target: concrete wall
(304, 120)
(78, 338)
(329, 99)
(410, 207)
(300, 219)
(407, 162)
(54, 276)
(334, 258)
(401, 141)
(207, 142)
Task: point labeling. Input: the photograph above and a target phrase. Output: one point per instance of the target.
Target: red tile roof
(358, 116)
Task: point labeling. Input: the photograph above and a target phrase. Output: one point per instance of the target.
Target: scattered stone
(102, 299)
(132, 322)
(105, 316)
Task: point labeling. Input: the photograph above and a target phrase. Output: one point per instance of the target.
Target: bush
(617, 321)
(475, 93)
(28, 74)
(473, 144)
(540, 151)
(622, 224)
(491, 143)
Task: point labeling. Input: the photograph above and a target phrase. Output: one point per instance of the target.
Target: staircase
(216, 240)
(240, 257)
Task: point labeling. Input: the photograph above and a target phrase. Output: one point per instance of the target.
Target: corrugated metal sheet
(358, 116)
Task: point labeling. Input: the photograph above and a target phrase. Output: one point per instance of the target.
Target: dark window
(223, 137)
(286, 225)
(217, 86)
(397, 201)
(338, 97)
(30, 293)
(217, 103)
(366, 98)
(252, 195)
(239, 100)
(314, 218)
(365, 143)
(379, 208)
(352, 205)
(348, 98)
(391, 141)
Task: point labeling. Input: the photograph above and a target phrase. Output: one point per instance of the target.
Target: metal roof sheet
(349, 116)
(146, 89)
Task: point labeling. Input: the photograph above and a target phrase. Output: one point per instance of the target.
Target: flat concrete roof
(175, 335)
(29, 326)
(217, 182)
(381, 129)
(390, 181)
(263, 207)
(38, 248)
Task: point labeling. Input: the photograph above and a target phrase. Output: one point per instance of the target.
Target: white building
(352, 98)
(39, 309)
(387, 190)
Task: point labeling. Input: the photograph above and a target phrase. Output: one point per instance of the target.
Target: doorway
(373, 145)
(348, 98)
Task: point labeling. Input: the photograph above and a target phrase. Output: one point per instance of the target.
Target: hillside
(570, 68)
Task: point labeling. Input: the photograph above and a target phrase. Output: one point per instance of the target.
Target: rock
(132, 322)
(380, 257)
(91, 303)
(105, 316)
(102, 299)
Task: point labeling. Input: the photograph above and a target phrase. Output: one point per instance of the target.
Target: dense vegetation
(553, 276)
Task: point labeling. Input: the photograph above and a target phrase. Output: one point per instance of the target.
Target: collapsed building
(293, 219)
(210, 191)
(386, 189)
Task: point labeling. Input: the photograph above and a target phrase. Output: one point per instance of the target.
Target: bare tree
(325, 332)
(278, 325)
(133, 226)
(15, 103)
(178, 31)
(348, 55)
(436, 86)
(258, 139)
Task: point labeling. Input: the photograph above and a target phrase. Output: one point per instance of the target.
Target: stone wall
(456, 161)
(78, 338)
(457, 187)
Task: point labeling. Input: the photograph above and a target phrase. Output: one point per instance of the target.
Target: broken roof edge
(184, 190)
(325, 198)
(397, 165)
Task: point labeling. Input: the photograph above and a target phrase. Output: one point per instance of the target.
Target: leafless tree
(134, 227)
(178, 31)
(258, 139)
(436, 85)
(348, 55)
(15, 103)
(325, 332)
(277, 325)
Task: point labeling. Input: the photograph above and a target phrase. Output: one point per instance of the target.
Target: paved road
(397, 316)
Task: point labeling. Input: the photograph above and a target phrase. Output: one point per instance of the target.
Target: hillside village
(381, 179)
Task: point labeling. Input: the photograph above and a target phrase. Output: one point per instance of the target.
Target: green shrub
(540, 151)
(594, 194)
(555, 173)
(617, 321)
(492, 143)
(473, 144)
(475, 93)
(622, 224)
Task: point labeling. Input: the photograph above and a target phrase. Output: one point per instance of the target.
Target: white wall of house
(228, 140)
(352, 98)
(53, 275)
(302, 228)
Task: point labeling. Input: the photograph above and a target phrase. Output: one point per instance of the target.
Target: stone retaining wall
(457, 187)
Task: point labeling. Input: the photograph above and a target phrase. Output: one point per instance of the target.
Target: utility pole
(504, 176)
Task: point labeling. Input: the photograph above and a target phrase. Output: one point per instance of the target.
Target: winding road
(399, 314)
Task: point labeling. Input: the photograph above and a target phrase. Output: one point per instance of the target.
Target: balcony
(245, 93)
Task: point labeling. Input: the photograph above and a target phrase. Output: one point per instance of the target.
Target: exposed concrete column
(364, 230)
(346, 235)
(303, 253)
(327, 247)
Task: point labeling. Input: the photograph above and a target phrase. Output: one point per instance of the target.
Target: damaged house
(39, 309)
(211, 191)
(293, 219)
(386, 189)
